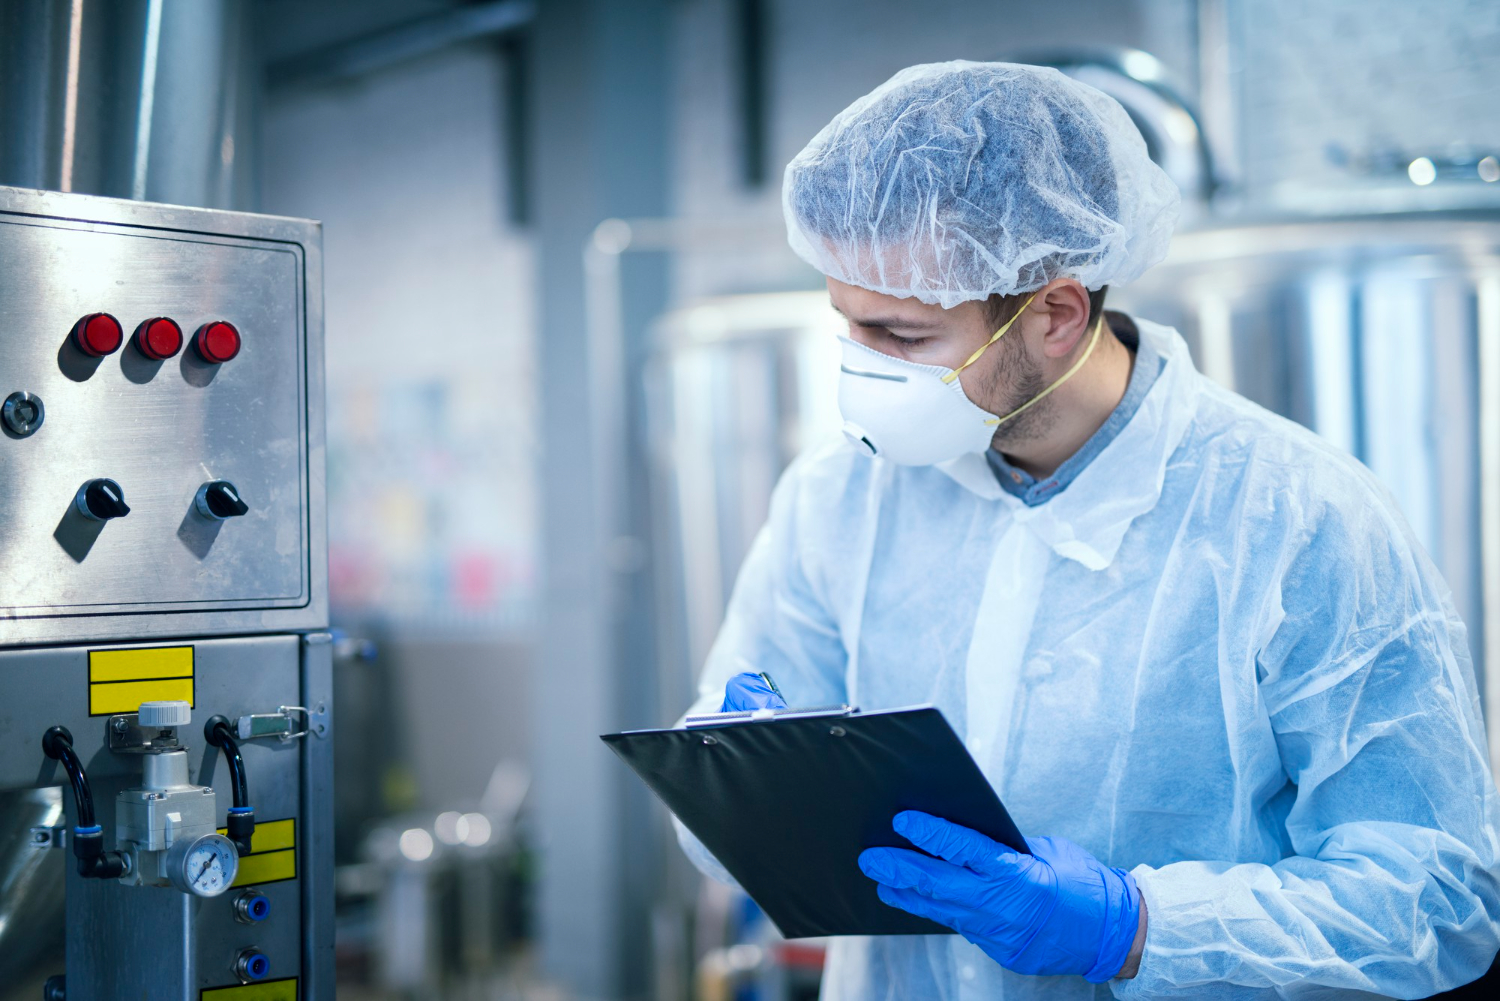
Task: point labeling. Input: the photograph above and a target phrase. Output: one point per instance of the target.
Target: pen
(772, 686)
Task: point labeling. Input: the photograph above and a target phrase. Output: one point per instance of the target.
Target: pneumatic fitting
(251, 965)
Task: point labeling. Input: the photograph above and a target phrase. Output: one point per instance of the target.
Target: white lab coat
(1218, 659)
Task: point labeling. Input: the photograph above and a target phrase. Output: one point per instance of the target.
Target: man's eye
(908, 342)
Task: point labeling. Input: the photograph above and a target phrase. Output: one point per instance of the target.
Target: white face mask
(919, 415)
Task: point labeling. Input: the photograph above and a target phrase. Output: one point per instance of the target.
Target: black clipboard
(787, 805)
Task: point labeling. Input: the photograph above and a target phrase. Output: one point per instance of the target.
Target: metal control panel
(82, 281)
(163, 577)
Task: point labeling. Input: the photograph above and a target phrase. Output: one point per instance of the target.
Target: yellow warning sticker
(266, 990)
(268, 868)
(273, 853)
(120, 680)
(272, 836)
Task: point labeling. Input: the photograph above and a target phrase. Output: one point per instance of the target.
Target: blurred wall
(1286, 89)
(819, 57)
(601, 105)
(430, 332)
(468, 700)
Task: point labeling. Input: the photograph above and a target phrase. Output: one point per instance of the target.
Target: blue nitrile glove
(1059, 910)
(749, 691)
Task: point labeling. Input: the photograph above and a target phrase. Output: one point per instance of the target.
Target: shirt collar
(1032, 491)
(1087, 522)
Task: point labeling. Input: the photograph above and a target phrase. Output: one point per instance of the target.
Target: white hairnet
(960, 180)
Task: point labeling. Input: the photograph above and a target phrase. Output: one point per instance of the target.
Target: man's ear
(1063, 307)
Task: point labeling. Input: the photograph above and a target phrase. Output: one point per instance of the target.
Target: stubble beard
(1014, 381)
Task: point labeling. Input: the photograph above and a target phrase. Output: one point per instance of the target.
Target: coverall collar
(1087, 522)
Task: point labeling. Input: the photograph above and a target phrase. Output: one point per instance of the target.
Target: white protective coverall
(1219, 659)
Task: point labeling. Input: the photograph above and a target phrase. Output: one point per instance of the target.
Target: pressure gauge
(204, 866)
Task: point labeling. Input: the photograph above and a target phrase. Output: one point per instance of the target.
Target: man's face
(1004, 377)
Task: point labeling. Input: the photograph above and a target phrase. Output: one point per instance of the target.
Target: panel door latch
(286, 723)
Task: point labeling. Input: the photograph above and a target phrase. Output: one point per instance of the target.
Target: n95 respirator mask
(905, 412)
(919, 415)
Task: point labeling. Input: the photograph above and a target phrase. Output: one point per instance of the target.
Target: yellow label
(141, 665)
(127, 696)
(271, 835)
(273, 854)
(266, 868)
(266, 990)
(120, 680)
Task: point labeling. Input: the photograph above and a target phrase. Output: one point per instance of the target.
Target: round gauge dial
(204, 866)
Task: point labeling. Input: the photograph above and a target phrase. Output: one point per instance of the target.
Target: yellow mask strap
(993, 338)
(1094, 340)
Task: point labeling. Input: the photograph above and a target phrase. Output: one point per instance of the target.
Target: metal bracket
(127, 736)
(317, 721)
(49, 837)
(286, 723)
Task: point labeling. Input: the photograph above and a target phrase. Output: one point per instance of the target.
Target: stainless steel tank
(1382, 334)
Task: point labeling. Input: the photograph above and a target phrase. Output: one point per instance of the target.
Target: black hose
(219, 735)
(57, 743)
(241, 821)
(88, 838)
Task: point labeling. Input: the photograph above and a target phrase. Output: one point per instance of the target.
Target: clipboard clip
(767, 715)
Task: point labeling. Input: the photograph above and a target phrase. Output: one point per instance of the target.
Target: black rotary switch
(101, 500)
(218, 499)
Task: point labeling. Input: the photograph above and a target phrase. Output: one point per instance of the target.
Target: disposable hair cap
(960, 180)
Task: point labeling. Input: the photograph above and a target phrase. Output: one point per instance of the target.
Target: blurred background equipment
(568, 354)
(32, 877)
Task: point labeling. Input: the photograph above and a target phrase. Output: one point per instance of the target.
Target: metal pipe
(390, 46)
(1489, 499)
(1157, 104)
(128, 100)
(70, 99)
(147, 100)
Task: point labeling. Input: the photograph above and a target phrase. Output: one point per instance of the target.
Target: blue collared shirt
(1032, 491)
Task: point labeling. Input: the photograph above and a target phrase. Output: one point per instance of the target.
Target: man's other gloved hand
(749, 691)
(1059, 910)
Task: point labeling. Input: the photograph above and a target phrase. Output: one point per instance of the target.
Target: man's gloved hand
(1059, 910)
(749, 691)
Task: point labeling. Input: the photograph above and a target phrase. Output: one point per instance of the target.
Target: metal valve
(166, 826)
(162, 715)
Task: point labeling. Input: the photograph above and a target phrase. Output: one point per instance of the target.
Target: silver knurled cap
(164, 714)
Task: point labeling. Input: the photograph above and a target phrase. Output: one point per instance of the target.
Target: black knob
(101, 500)
(218, 499)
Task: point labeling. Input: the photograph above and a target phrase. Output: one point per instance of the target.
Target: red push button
(98, 334)
(217, 342)
(158, 339)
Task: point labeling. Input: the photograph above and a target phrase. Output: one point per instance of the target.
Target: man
(1194, 648)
